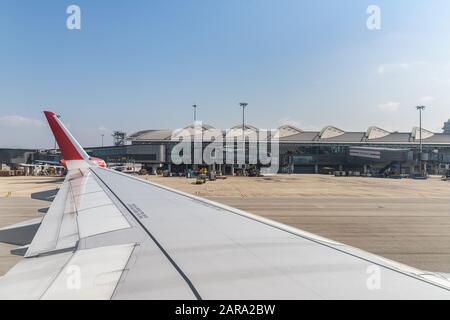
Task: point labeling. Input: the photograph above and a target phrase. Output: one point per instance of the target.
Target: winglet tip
(48, 113)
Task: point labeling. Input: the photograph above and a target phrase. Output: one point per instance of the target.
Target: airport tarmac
(403, 220)
(16, 205)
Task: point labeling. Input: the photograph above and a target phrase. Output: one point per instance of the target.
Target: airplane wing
(108, 235)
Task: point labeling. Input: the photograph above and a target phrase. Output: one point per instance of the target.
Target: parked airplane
(42, 169)
(50, 163)
(108, 235)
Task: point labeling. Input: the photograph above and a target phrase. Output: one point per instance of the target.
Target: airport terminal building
(374, 151)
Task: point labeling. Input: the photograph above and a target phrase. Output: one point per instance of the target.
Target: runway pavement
(404, 220)
(16, 205)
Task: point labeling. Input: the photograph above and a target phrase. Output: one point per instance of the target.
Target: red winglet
(65, 142)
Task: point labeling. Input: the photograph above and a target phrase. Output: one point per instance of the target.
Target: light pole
(195, 112)
(102, 138)
(243, 105)
(420, 108)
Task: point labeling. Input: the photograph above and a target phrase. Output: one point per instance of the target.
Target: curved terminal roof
(288, 130)
(376, 132)
(194, 129)
(148, 135)
(330, 132)
(236, 131)
(204, 126)
(415, 134)
(288, 133)
(246, 127)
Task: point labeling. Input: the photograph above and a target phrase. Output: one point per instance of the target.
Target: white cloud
(382, 69)
(389, 107)
(427, 99)
(395, 67)
(22, 132)
(15, 121)
(103, 129)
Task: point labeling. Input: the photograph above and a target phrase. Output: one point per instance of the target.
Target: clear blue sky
(142, 64)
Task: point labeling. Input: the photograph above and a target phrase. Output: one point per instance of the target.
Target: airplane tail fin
(74, 155)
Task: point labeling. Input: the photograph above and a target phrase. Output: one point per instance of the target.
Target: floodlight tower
(243, 105)
(420, 108)
(195, 112)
